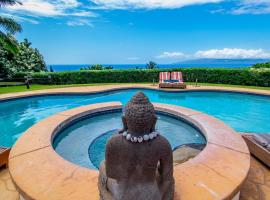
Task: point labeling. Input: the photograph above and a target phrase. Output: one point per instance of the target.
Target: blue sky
(136, 31)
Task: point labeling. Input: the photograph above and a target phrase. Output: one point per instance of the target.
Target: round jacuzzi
(58, 157)
(84, 141)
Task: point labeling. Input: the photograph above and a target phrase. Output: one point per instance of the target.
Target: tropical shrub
(97, 67)
(27, 59)
(261, 65)
(151, 65)
(8, 27)
(203, 75)
(6, 67)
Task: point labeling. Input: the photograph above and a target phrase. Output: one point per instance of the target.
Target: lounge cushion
(164, 76)
(177, 76)
(167, 81)
(263, 140)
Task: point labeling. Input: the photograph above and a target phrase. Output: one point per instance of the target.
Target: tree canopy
(97, 67)
(27, 59)
(9, 27)
(151, 65)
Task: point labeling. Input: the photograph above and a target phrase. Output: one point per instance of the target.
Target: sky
(136, 31)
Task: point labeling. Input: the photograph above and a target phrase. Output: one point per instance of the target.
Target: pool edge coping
(199, 119)
(110, 88)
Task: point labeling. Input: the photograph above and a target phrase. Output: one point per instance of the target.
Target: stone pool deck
(256, 187)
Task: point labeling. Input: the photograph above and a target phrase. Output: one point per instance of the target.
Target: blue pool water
(84, 142)
(243, 112)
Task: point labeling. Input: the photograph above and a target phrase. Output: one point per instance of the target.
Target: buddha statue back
(138, 160)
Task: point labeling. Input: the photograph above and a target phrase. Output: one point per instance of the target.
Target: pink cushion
(164, 76)
(177, 76)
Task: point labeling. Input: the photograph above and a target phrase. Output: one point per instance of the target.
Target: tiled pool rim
(38, 172)
(110, 88)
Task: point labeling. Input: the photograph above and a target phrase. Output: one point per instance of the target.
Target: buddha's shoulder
(161, 141)
(116, 138)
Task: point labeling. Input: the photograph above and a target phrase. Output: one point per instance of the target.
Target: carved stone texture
(137, 171)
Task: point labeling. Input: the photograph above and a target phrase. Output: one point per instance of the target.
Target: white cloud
(80, 22)
(133, 58)
(20, 19)
(167, 54)
(252, 7)
(83, 14)
(226, 53)
(45, 7)
(233, 53)
(148, 4)
(32, 10)
(50, 8)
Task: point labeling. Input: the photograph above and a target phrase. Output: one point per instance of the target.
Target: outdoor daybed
(164, 80)
(177, 80)
(171, 80)
(259, 146)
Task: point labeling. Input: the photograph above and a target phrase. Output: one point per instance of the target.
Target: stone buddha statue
(138, 161)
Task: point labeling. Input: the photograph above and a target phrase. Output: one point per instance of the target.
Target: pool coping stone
(107, 88)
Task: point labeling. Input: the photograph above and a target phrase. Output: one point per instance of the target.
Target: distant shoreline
(59, 68)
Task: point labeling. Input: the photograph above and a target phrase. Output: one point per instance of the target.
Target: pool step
(4, 153)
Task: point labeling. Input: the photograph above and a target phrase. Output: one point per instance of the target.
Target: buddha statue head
(139, 115)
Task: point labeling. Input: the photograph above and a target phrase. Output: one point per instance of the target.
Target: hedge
(262, 65)
(203, 75)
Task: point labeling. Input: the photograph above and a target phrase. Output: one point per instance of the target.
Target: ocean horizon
(75, 67)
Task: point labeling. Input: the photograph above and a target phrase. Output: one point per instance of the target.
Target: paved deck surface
(257, 186)
(7, 189)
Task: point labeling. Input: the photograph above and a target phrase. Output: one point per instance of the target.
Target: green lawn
(22, 88)
(12, 89)
(10, 83)
(234, 86)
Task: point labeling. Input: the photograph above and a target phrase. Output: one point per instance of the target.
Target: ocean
(68, 67)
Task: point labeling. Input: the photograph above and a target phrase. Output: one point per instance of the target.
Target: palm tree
(10, 27)
(151, 65)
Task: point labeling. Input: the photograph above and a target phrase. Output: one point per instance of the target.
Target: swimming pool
(243, 112)
(83, 143)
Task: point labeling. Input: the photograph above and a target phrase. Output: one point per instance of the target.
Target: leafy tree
(9, 27)
(27, 59)
(8, 2)
(51, 69)
(108, 67)
(151, 65)
(6, 67)
(261, 65)
(97, 67)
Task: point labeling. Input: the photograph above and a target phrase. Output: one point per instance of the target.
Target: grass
(22, 88)
(10, 83)
(233, 86)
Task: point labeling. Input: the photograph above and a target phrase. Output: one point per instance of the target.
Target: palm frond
(9, 2)
(9, 43)
(10, 25)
